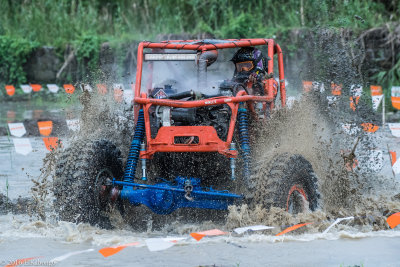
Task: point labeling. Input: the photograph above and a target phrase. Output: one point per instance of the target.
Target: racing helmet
(249, 59)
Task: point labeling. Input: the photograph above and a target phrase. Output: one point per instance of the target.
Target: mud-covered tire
(285, 179)
(76, 196)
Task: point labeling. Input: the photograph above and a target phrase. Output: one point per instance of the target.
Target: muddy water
(30, 112)
(314, 131)
(21, 238)
(364, 241)
(19, 169)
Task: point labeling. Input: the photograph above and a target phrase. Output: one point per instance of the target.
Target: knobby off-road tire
(75, 190)
(287, 182)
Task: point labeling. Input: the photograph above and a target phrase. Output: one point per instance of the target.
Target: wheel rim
(297, 200)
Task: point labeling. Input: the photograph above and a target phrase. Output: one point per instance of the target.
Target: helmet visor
(244, 66)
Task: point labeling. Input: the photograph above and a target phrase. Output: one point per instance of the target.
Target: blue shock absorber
(244, 140)
(134, 151)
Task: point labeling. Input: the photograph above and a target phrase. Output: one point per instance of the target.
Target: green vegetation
(85, 24)
(13, 54)
(64, 21)
(87, 53)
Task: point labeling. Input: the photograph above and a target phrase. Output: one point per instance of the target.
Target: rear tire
(287, 182)
(78, 170)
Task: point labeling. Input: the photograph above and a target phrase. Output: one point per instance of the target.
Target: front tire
(288, 182)
(80, 170)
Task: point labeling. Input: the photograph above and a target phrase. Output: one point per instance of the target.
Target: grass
(57, 23)
(84, 25)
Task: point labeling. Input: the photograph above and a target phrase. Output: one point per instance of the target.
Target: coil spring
(134, 151)
(244, 140)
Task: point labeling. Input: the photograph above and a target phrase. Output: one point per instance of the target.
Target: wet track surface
(22, 236)
(38, 239)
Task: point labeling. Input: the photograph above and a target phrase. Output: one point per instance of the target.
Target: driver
(251, 70)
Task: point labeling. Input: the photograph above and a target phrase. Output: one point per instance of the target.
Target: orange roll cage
(208, 138)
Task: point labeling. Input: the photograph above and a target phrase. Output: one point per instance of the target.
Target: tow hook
(188, 190)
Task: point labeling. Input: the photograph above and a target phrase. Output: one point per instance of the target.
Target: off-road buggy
(192, 143)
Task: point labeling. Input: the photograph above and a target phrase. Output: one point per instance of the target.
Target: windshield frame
(198, 46)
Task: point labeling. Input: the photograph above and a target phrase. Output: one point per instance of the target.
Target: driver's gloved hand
(254, 77)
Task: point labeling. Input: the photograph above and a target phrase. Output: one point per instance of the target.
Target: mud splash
(104, 118)
(310, 128)
(313, 130)
(101, 118)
